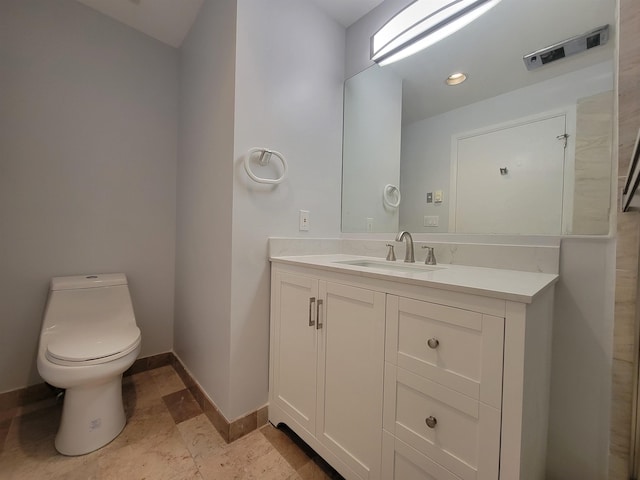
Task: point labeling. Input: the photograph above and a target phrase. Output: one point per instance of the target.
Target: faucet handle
(391, 254)
(431, 257)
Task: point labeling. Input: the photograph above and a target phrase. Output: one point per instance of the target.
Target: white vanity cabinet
(388, 379)
(327, 364)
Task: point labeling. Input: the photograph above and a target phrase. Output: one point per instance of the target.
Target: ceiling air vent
(566, 48)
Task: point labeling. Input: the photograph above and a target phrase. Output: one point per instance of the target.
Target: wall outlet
(431, 221)
(369, 224)
(304, 220)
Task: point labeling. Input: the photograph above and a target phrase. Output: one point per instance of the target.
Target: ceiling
(347, 12)
(170, 20)
(166, 20)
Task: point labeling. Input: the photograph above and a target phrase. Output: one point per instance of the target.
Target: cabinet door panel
(295, 351)
(351, 376)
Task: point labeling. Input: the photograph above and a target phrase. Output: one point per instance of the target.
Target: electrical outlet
(369, 224)
(304, 220)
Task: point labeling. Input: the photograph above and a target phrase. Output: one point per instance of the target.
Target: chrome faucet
(406, 236)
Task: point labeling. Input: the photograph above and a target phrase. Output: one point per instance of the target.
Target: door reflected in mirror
(508, 151)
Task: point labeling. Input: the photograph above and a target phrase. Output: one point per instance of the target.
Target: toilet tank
(88, 281)
(84, 299)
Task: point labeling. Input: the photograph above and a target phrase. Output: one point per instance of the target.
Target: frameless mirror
(508, 151)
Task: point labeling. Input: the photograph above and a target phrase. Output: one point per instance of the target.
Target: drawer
(464, 434)
(401, 462)
(460, 349)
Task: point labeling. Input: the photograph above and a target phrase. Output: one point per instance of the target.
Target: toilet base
(92, 416)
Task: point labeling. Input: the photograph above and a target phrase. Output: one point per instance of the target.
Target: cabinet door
(294, 351)
(351, 356)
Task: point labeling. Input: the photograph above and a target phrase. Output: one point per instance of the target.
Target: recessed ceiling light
(456, 78)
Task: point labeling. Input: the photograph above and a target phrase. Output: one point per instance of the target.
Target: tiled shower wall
(628, 246)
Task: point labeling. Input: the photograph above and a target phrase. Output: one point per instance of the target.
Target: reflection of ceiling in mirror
(490, 52)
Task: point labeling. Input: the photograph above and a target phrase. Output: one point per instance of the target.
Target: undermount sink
(386, 265)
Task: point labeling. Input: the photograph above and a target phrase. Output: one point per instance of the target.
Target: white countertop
(491, 282)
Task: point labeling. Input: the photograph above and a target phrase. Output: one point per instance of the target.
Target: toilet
(89, 338)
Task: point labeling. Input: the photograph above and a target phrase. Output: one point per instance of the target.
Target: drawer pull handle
(431, 422)
(318, 322)
(312, 301)
(433, 343)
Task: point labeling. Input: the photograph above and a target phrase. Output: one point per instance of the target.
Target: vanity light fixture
(421, 24)
(455, 79)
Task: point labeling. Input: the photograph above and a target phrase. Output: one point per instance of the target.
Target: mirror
(508, 151)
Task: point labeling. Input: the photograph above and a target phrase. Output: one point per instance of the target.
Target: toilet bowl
(89, 338)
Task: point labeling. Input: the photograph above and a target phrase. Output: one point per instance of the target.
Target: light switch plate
(438, 196)
(431, 220)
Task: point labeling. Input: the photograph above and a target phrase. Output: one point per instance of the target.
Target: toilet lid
(85, 344)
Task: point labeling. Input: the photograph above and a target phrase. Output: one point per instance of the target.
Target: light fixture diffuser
(423, 23)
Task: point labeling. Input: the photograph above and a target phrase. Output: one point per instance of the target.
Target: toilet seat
(91, 346)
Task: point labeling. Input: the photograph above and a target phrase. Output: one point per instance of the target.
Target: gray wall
(267, 74)
(88, 138)
(289, 77)
(580, 406)
(205, 194)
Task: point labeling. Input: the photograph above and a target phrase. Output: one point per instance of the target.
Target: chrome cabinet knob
(433, 343)
(431, 422)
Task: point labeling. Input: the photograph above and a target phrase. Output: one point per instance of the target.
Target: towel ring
(265, 158)
(391, 196)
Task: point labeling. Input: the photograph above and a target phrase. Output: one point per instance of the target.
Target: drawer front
(402, 462)
(457, 432)
(460, 349)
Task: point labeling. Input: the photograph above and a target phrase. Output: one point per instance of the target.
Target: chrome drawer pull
(312, 300)
(431, 422)
(433, 343)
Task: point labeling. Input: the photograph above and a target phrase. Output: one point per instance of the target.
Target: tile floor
(167, 437)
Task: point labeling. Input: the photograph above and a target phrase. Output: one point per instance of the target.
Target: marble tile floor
(166, 437)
